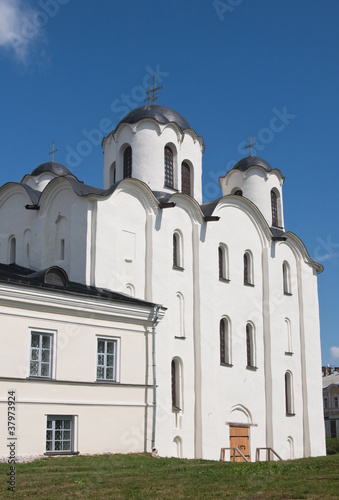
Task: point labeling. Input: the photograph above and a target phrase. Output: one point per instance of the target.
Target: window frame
(127, 162)
(248, 268)
(12, 250)
(176, 385)
(53, 432)
(286, 275)
(168, 167)
(274, 208)
(250, 346)
(225, 341)
(223, 263)
(186, 178)
(177, 257)
(40, 349)
(105, 354)
(289, 396)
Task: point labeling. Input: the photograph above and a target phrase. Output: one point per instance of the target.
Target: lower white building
(135, 317)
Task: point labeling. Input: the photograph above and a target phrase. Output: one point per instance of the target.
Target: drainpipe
(154, 323)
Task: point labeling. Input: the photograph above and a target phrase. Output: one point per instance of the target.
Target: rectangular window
(59, 434)
(41, 355)
(336, 403)
(325, 403)
(106, 360)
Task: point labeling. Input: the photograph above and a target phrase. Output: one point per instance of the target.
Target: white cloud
(17, 34)
(334, 352)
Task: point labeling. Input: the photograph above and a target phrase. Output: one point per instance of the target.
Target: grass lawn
(143, 477)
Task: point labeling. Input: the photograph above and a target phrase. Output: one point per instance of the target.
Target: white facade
(238, 348)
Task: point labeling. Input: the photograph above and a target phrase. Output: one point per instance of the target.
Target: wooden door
(239, 438)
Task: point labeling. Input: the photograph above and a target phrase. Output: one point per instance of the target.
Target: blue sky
(70, 69)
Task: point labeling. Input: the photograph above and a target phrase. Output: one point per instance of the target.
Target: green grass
(143, 477)
(332, 446)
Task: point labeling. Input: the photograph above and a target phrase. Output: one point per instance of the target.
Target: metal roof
(161, 114)
(252, 161)
(53, 167)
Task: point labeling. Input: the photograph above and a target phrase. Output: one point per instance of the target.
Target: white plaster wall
(120, 257)
(100, 428)
(166, 282)
(256, 185)
(120, 408)
(226, 387)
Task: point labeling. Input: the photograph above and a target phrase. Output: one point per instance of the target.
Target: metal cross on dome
(52, 152)
(250, 145)
(151, 95)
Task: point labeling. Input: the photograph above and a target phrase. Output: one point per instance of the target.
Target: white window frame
(39, 359)
(105, 354)
(223, 262)
(289, 394)
(58, 435)
(250, 269)
(250, 336)
(179, 245)
(286, 273)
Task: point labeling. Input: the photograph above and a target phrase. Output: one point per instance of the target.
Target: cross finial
(52, 152)
(250, 145)
(151, 95)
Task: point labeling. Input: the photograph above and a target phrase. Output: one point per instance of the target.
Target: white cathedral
(136, 318)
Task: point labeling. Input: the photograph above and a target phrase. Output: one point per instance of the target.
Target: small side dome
(52, 167)
(159, 113)
(252, 161)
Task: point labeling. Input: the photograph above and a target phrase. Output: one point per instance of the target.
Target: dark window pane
(128, 162)
(169, 167)
(185, 179)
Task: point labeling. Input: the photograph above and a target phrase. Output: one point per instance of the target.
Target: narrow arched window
(185, 178)
(177, 251)
(250, 345)
(248, 269)
(289, 394)
(12, 251)
(286, 278)
(176, 384)
(225, 342)
(113, 173)
(169, 175)
(274, 206)
(179, 316)
(223, 262)
(128, 162)
(288, 334)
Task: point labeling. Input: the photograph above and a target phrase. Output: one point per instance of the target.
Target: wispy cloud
(18, 36)
(334, 352)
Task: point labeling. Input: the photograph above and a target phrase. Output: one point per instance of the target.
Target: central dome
(159, 113)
